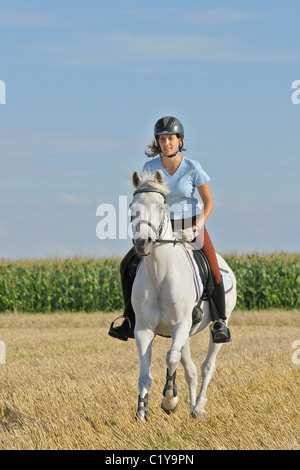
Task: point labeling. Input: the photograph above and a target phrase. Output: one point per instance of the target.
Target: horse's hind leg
(207, 372)
(190, 372)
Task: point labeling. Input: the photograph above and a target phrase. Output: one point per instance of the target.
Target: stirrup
(226, 335)
(113, 331)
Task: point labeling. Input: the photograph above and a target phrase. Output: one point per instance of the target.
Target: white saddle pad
(227, 281)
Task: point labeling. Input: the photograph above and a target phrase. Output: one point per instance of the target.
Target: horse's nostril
(149, 240)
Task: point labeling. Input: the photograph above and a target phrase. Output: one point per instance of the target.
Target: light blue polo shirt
(183, 183)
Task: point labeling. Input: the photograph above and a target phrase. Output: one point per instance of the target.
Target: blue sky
(86, 82)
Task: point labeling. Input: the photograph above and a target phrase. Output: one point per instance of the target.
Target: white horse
(163, 298)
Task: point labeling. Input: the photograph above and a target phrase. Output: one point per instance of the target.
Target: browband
(149, 190)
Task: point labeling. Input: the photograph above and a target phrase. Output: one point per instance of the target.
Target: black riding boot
(220, 332)
(126, 329)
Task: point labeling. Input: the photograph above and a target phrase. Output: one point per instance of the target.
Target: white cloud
(50, 250)
(201, 16)
(3, 229)
(31, 19)
(218, 16)
(144, 52)
(120, 48)
(111, 49)
(75, 200)
(27, 19)
(36, 143)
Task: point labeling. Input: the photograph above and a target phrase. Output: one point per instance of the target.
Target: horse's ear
(158, 177)
(136, 179)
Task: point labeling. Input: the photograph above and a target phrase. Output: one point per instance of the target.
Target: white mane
(147, 179)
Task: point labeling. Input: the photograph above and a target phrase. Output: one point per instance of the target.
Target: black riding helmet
(168, 125)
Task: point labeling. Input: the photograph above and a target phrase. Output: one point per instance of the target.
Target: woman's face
(169, 143)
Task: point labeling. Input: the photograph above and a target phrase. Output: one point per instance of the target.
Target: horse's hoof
(169, 405)
(168, 412)
(141, 416)
(142, 413)
(199, 416)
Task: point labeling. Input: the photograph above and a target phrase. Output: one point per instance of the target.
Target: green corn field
(60, 285)
(264, 281)
(267, 281)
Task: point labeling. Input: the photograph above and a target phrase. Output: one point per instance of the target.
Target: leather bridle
(157, 231)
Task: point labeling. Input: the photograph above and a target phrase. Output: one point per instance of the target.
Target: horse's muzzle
(143, 246)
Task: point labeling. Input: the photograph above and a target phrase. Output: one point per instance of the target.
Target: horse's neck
(168, 231)
(159, 264)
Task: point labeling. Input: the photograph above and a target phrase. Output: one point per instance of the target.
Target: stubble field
(68, 385)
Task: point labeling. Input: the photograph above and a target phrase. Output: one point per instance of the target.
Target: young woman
(183, 176)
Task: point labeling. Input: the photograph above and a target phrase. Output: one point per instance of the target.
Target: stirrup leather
(120, 316)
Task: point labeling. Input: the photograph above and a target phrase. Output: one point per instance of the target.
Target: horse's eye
(135, 215)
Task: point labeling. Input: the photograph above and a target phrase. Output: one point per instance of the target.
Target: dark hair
(154, 148)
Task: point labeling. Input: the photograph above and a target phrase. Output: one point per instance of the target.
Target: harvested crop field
(68, 385)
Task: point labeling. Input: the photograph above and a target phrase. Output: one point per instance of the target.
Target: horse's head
(148, 210)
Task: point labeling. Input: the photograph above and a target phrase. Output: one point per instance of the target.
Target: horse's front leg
(144, 339)
(170, 400)
(180, 335)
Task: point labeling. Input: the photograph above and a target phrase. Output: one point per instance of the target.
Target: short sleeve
(200, 176)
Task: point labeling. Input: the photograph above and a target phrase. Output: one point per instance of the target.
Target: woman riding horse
(182, 176)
